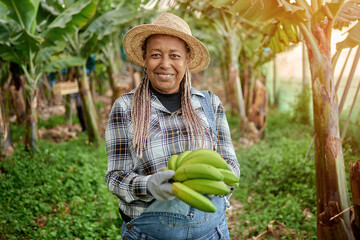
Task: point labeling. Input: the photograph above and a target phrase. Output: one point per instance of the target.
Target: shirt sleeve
(121, 178)
(224, 145)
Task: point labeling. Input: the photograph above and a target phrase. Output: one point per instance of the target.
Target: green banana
(283, 37)
(172, 162)
(181, 158)
(193, 198)
(207, 186)
(206, 156)
(197, 170)
(290, 31)
(229, 177)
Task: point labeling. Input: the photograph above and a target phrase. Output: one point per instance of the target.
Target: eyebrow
(158, 50)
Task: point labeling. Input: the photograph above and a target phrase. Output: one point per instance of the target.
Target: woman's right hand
(159, 187)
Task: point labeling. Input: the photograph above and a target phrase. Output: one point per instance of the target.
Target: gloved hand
(159, 187)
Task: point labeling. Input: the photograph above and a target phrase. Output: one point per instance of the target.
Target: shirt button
(124, 238)
(177, 132)
(128, 226)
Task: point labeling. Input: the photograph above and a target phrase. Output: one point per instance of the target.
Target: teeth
(165, 75)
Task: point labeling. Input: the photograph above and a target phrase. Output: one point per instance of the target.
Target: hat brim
(135, 37)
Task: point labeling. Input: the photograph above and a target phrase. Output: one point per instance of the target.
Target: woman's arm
(121, 179)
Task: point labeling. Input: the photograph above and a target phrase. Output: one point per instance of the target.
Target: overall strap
(209, 113)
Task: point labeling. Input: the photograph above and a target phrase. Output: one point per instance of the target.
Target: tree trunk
(225, 78)
(31, 137)
(92, 85)
(18, 103)
(233, 95)
(303, 65)
(331, 187)
(275, 103)
(355, 190)
(245, 84)
(6, 148)
(88, 107)
(239, 95)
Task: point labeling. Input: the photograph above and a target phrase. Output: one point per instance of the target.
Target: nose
(165, 62)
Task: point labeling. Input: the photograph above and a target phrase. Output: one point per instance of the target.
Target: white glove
(159, 187)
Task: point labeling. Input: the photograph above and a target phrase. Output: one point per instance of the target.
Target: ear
(188, 58)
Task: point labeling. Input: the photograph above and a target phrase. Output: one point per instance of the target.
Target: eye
(155, 55)
(175, 56)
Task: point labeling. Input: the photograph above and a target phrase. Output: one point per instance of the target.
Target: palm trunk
(275, 103)
(303, 65)
(245, 76)
(239, 95)
(31, 137)
(88, 107)
(331, 187)
(355, 190)
(18, 103)
(233, 96)
(116, 91)
(5, 137)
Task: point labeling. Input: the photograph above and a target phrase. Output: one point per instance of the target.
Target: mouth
(165, 75)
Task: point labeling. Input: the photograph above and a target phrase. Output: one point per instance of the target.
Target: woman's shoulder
(215, 100)
(125, 100)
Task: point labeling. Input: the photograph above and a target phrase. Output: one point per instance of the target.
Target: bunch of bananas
(199, 172)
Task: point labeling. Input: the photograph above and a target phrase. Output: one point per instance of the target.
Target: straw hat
(169, 24)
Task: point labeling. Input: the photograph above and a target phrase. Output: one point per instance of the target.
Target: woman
(161, 117)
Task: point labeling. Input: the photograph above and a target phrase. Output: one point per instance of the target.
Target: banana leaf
(352, 39)
(62, 62)
(24, 12)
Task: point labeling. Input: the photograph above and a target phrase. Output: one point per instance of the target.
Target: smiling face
(166, 60)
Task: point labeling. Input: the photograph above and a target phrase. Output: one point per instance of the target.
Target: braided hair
(141, 110)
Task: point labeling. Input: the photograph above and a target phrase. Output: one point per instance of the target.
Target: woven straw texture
(169, 24)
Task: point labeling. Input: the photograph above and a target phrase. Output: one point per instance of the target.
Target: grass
(59, 193)
(277, 182)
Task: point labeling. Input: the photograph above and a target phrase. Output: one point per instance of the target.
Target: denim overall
(176, 220)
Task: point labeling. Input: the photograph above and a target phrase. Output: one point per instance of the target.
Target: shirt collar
(156, 104)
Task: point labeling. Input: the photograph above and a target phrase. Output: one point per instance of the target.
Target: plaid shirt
(127, 174)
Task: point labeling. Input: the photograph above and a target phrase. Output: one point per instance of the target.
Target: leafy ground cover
(277, 183)
(277, 194)
(60, 193)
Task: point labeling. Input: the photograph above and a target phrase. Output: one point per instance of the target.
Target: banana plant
(38, 52)
(315, 21)
(6, 147)
(95, 37)
(222, 28)
(238, 46)
(110, 47)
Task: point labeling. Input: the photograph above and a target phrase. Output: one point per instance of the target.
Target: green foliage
(101, 77)
(52, 121)
(301, 108)
(352, 136)
(59, 193)
(277, 182)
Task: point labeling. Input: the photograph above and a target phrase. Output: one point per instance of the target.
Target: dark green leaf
(24, 12)
(62, 62)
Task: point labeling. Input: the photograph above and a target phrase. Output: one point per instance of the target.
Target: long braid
(140, 116)
(191, 120)
(141, 110)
